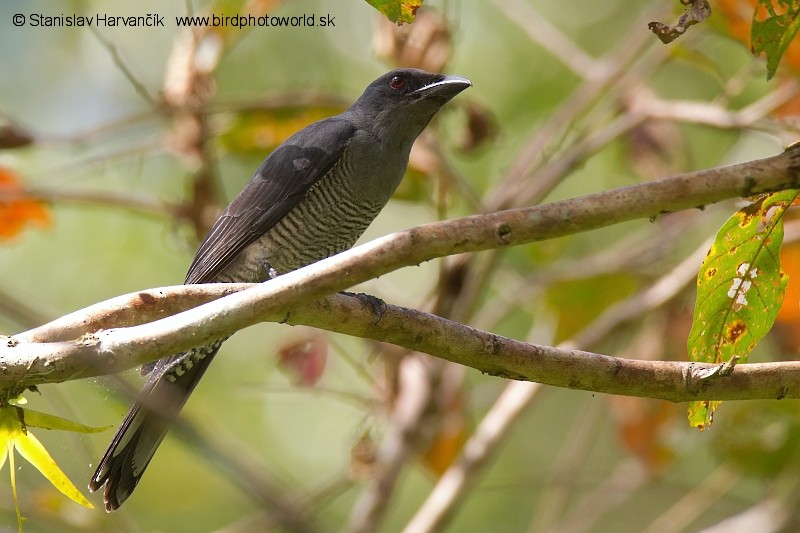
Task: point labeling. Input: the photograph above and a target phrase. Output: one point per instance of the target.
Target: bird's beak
(448, 87)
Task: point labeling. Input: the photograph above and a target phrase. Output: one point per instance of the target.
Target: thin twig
(687, 509)
(552, 39)
(454, 484)
(656, 294)
(572, 455)
(696, 112)
(535, 151)
(131, 202)
(138, 86)
(18, 310)
(624, 481)
(408, 418)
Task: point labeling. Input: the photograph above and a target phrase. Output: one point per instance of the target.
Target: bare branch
(552, 39)
(141, 90)
(418, 331)
(619, 66)
(454, 484)
(752, 116)
(129, 201)
(290, 297)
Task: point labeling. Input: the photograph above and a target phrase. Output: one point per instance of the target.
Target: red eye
(397, 83)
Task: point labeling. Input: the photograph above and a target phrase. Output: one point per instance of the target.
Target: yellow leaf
(14, 434)
(35, 453)
(13, 469)
(5, 440)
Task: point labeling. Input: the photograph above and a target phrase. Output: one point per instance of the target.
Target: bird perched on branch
(311, 198)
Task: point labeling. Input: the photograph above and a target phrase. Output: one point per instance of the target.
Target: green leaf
(399, 11)
(740, 288)
(48, 421)
(701, 414)
(775, 24)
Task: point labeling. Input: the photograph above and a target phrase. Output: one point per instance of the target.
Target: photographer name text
(153, 20)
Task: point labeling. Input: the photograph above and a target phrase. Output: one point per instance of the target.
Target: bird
(311, 198)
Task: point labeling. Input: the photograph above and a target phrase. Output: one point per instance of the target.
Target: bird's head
(400, 103)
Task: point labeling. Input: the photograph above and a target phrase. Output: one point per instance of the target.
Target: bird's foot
(378, 306)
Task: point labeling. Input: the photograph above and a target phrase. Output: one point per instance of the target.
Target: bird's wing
(280, 183)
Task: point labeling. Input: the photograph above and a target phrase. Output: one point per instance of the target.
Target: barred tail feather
(156, 407)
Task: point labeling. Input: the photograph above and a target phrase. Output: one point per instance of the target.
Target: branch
(454, 484)
(415, 330)
(126, 200)
(295, 297)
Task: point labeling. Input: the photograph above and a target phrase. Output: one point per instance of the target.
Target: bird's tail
(157, 405)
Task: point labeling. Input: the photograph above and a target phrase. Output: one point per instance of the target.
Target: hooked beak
(448, 87)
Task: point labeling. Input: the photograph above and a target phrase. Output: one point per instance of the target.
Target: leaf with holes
(775, 24)
(399, 11)
(696, 11)
(740, 288)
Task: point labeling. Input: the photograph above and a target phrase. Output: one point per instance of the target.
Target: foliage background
(574, 461)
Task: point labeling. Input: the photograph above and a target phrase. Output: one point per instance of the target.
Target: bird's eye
(397, 83)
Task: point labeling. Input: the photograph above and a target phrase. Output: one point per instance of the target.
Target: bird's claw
(378, 306)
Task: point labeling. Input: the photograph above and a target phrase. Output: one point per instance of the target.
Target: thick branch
(112, 350)
(415, 330)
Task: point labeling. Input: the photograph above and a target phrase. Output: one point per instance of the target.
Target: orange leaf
(786, 330)
(15, 210)
(790, 261)
(643, 424)
(452, 433)
(445, 449)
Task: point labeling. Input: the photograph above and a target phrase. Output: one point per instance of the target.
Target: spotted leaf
(775, 25)
(740, 288)
(398, 11)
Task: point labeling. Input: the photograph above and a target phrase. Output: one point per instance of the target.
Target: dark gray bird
(311, 198)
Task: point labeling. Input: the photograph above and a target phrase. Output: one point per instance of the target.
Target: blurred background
(127, 142)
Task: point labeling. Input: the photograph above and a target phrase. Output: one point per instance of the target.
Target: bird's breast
(329, 220)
